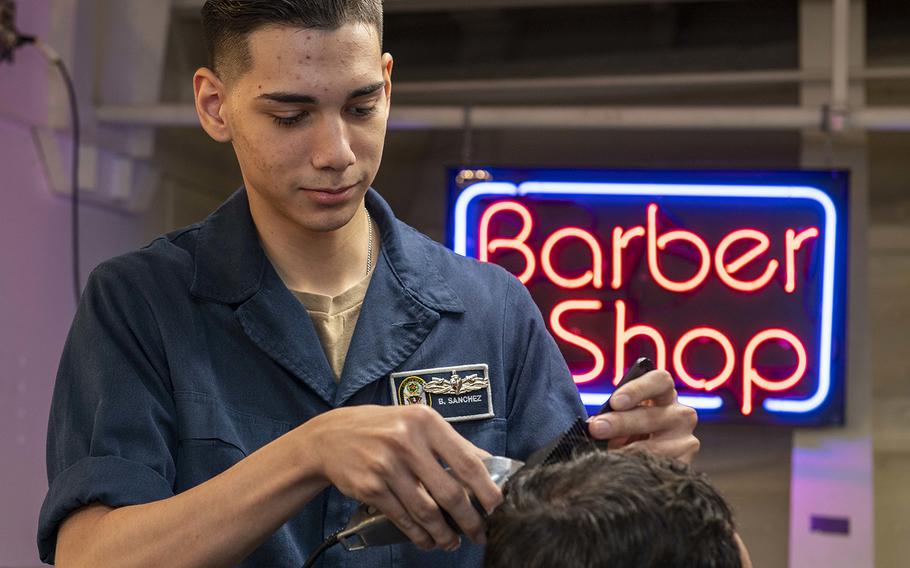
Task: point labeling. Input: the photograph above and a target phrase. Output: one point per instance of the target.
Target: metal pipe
(840, 56)
(418, 117)
(610, 82)
(185, 115)
(893, 72)
(147, 115)
(598, 117)
(412, 117)
(406, 117)
(881, 119)
(538, 84)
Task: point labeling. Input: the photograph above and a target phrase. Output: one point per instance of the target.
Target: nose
(331, 145)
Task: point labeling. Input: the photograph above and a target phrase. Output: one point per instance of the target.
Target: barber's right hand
(388, 457)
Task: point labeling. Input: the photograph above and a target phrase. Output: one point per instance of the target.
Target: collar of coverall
(229, 262)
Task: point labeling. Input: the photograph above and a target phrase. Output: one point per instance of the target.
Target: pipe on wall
(413, 117)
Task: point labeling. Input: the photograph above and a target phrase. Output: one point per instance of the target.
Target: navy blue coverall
(191, 353)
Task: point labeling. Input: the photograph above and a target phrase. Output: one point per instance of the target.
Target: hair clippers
(369, 527)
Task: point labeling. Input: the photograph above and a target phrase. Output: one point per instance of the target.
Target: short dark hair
(624, 509)
(227, 24)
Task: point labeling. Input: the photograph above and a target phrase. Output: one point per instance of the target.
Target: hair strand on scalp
(622, 509)
(227, 24)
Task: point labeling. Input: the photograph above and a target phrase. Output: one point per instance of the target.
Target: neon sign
(732, 281)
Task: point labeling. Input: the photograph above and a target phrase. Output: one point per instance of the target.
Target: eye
(289, 120)
(363, 111)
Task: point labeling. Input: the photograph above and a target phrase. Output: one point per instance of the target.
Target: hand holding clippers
(369, 527)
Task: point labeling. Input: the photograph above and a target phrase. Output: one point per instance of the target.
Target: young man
(229, 392)
(623, 509)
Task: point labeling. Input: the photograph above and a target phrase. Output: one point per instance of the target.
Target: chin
(327, 221)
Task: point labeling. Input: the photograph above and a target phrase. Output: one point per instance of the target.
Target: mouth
(330, 190)
(331, 196)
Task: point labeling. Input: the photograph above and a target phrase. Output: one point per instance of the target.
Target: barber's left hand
(646, 413)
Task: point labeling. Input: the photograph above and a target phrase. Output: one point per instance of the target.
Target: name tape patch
(458, 393)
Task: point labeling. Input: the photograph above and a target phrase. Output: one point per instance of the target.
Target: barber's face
(308, 121)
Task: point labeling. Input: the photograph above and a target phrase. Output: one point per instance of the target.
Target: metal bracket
(105, 178)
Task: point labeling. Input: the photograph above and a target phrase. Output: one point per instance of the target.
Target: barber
(229, 392)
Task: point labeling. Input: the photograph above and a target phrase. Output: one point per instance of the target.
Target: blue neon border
(828, 189)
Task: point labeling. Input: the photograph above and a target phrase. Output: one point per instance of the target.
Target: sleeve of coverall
(542, 397)
(110, 434)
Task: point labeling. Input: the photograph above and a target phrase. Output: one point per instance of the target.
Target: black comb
(563, 447)
(576, 439)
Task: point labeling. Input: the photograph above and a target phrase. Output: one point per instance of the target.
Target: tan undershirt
(336, 317)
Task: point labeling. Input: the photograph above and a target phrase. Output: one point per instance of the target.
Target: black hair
(624, 509)
(227, 24)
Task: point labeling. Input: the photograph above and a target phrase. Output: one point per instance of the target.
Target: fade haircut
(227, 24)
(624, 509)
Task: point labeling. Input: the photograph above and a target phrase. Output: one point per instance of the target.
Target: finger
(655, 385)
(617, 443)
(396, 512)
(482, 453)
(637, 421)
(423, 509)
(451, 496)
(473, 476)
(464, 459)
(683, 448)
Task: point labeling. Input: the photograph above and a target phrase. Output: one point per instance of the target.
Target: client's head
(612, 509)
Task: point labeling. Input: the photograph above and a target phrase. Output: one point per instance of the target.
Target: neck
(325, 263)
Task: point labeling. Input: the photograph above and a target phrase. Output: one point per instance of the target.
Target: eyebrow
(299, 98)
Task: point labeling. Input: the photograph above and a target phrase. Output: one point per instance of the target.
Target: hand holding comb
(576, 437)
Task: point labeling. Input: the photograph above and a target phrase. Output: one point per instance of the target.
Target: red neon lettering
(725, 272)
(577, 340)
(597, 259)
(623, 335)
(729, 358)
(750, 375)
(518, 243)
(620, 241)
(795, 241)
(656, 243)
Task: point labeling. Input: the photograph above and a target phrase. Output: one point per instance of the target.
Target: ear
(387, 63)
(210, 104)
